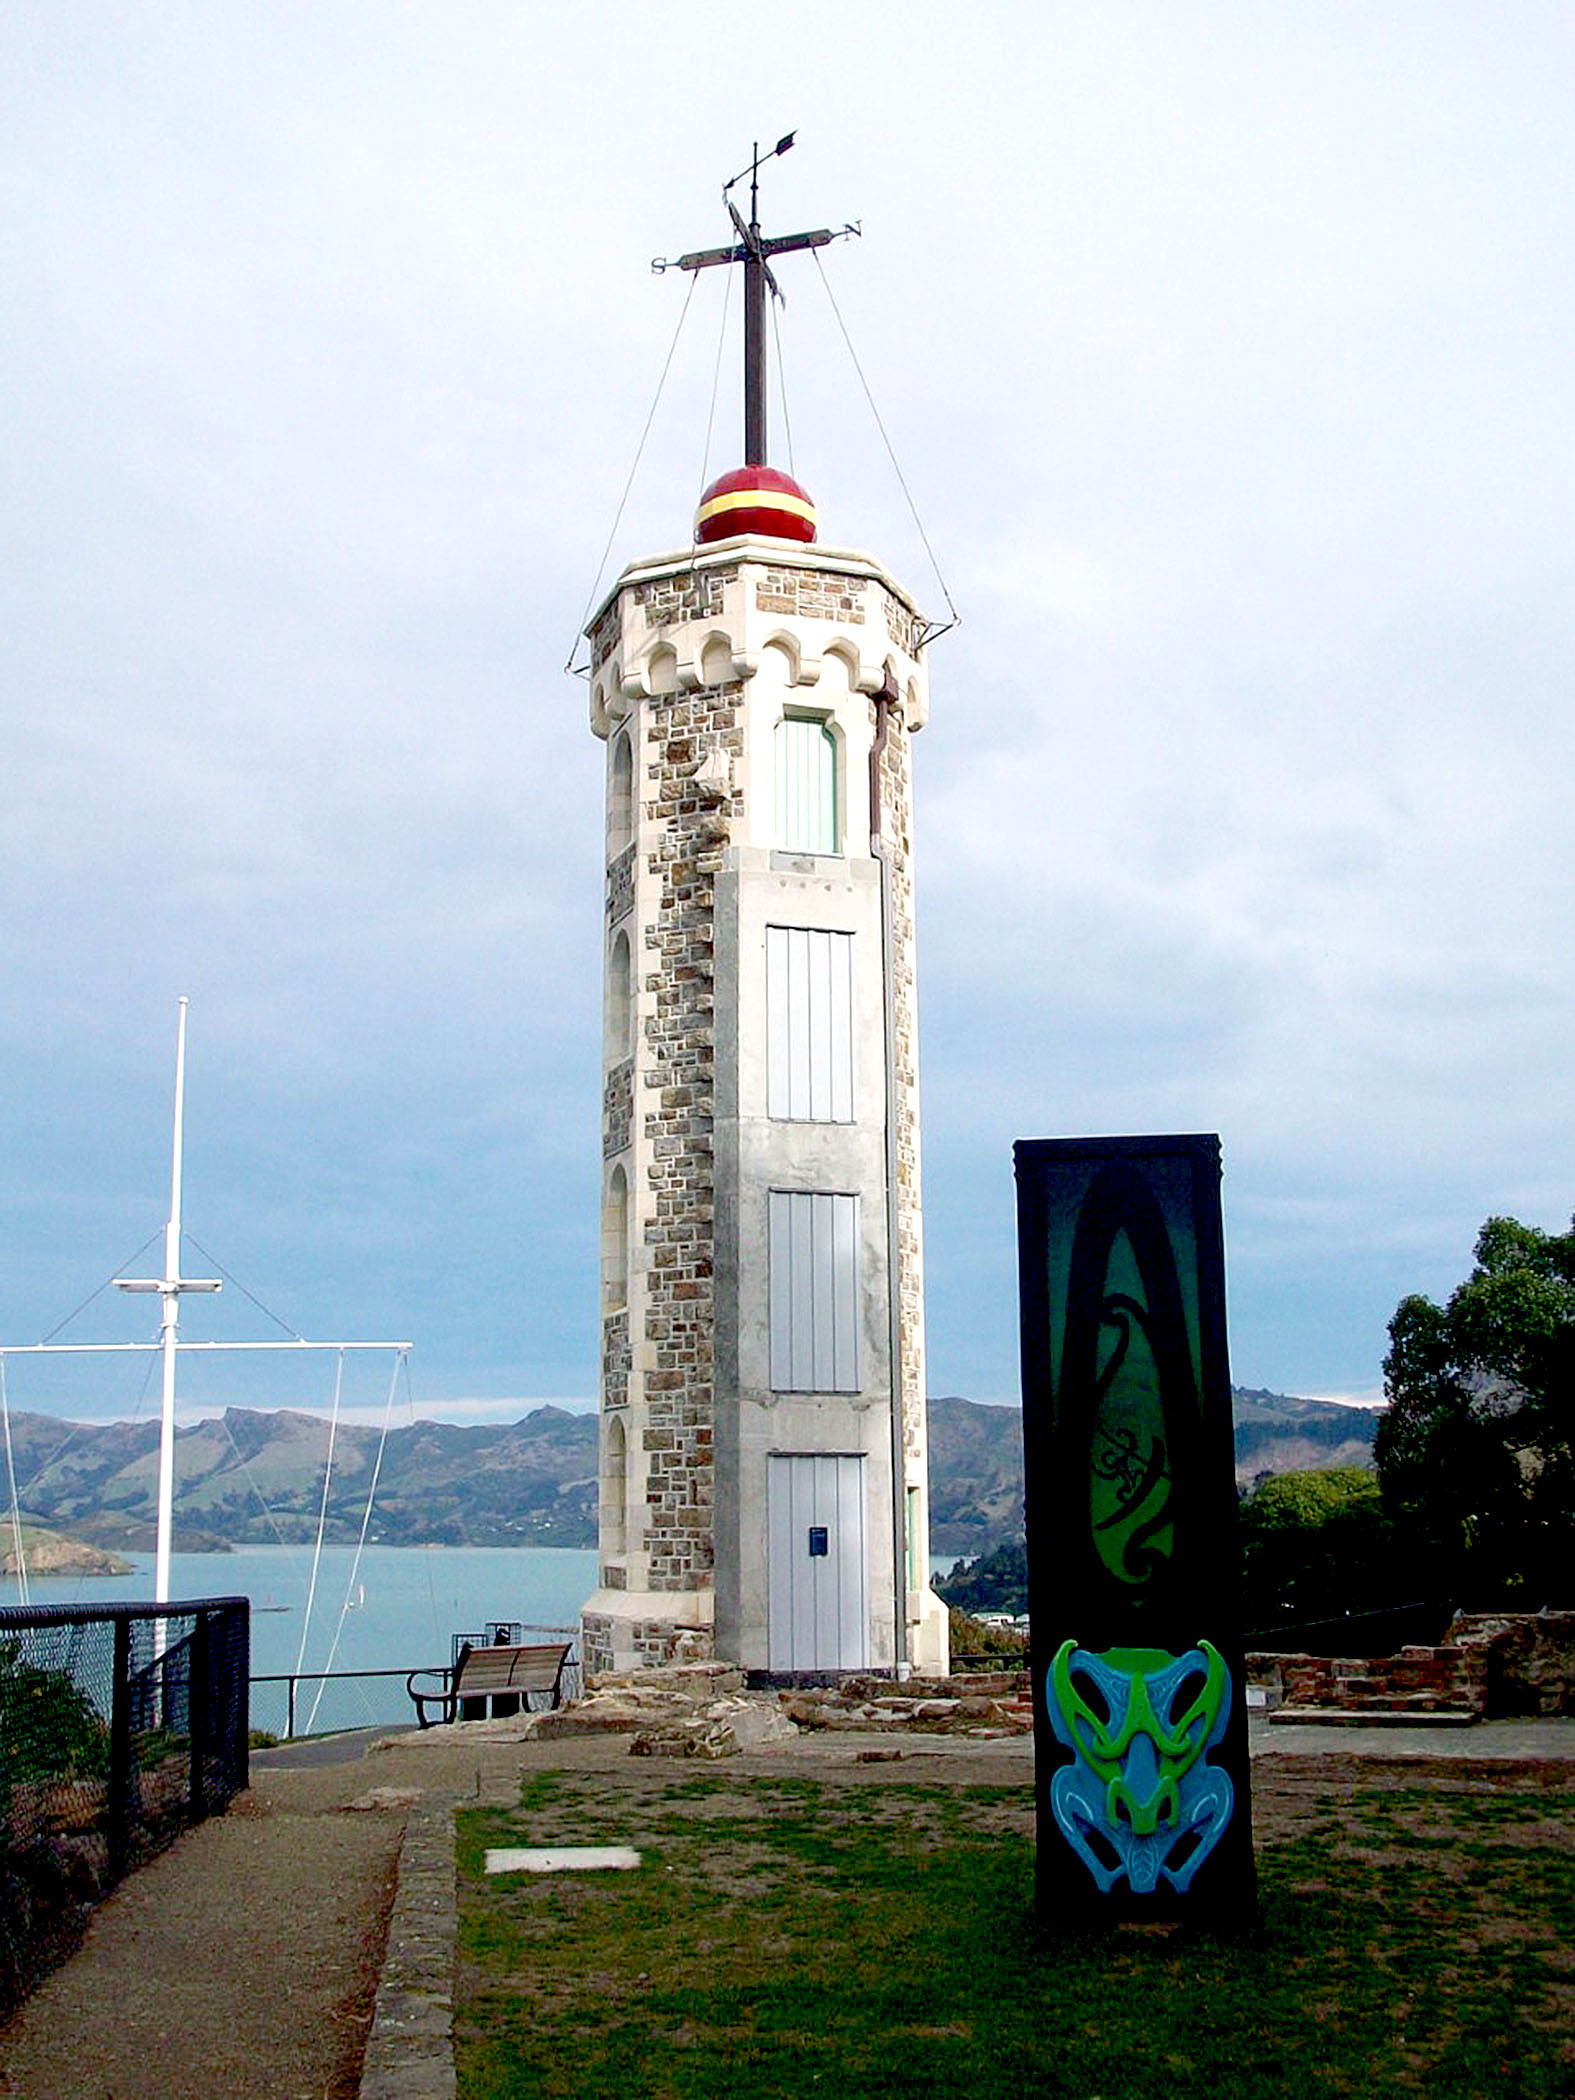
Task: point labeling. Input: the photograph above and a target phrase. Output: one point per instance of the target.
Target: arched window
(662, 672)
(620, 795)
(618, 1039)
(615, 1488)
(716, 661)
(807, 813)
(615, 1242)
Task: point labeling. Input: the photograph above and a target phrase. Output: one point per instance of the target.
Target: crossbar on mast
(171, 1287)
(753, 250)
(152, 1348)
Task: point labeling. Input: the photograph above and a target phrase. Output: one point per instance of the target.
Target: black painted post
(241, 1665)
(117, 1815)
(199, 1695)
(1140, 1722)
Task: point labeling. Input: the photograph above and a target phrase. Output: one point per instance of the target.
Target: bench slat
(510, 1669)
(487, 1672)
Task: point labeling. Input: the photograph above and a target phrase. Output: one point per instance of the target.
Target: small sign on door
(819, 1542)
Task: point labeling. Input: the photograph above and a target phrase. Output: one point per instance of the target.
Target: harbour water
(397, 1610)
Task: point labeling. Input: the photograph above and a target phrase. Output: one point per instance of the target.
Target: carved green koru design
(1140, 1798)
(1127, 1392)
(1129, 1476)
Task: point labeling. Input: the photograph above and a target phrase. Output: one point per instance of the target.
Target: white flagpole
(170, 1287)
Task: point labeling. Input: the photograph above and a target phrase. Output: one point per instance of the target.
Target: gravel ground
(244, 1961)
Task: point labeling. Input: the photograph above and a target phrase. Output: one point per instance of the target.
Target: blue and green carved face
(1140, 1798)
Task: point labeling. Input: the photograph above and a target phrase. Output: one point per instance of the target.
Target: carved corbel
(713, 776)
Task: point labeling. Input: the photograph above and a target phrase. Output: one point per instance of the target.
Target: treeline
(1471, 1499)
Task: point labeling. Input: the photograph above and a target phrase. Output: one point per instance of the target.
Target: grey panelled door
(813, 1240)
(809, 1024)
(818, 1572)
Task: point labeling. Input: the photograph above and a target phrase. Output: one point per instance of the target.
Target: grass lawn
(783, 1935)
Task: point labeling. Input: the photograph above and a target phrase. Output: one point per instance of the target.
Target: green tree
(1317, 1545)
(1475, 1452)
(995, 1581)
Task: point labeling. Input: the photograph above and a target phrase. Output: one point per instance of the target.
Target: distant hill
(976, 1475)
(1278, 1434)
(976, 1457)
(249, 1478)
(47, 1553)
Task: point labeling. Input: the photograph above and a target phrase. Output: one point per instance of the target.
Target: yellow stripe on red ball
(755, 499)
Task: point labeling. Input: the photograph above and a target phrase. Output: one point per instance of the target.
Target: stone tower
(763, 1469)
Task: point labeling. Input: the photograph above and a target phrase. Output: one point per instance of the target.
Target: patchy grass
(878, 1940)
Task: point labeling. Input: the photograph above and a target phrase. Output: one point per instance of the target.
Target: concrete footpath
(303, 1944)
(1516, 1740)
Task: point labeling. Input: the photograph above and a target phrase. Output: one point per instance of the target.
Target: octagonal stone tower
(763, 1469)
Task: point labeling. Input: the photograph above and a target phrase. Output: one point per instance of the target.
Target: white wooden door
(818, 1567)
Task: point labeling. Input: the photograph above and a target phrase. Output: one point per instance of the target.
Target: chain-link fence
(119, 1725)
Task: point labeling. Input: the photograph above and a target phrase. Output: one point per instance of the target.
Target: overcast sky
(1227, 352)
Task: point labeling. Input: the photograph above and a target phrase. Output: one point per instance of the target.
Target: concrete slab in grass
(560, 1859)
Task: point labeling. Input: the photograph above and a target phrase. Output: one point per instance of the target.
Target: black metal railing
(120, 1724)
(1379, 1632)
(377, 1712)
(987, 1660)
(286, 1703)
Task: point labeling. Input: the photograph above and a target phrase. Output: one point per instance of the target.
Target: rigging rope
(787, 427)
(639, 453)
(75, 1429)
(236, 1284)
(322, 1516)
(251, 1481)
(366, 1519)
(16, 1507)
(102, 1288)
(913, 509)
(716, 381)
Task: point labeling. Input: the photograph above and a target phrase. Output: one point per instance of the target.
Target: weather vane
(753, 249)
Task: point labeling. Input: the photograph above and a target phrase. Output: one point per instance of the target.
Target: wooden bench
(505, 1676)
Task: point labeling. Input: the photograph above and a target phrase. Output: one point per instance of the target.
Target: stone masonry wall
(658, 1358)
(690, 594)
(1529, 1658)
(675, 1068)
(905, 628)
(1490, 1664)
(811, 594)
(896, 790)
(620, 886)
(615, 1360)
(617, 1108)
(605, 635)
(654, 1642)
(1446, 1680)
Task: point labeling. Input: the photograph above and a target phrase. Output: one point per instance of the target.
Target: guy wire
(639, 453)
(913, 509)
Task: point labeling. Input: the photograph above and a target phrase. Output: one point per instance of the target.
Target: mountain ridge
(250, 1477)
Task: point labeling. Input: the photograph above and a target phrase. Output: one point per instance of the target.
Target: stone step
(1374, 1716)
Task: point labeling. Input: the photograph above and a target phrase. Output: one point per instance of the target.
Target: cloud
(1225, 354)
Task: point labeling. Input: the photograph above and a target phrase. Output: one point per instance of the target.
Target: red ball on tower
(754, 499)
